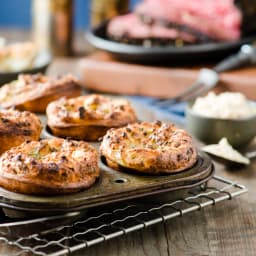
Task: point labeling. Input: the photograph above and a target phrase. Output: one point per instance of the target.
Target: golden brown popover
(152, 148)
(17, 127)
(49, 167)
(88, 117)
(35, 92)
(17, 56)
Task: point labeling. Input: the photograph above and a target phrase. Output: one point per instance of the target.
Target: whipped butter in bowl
(228, 115)
(227, 105)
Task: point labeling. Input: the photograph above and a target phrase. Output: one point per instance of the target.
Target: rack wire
(107, 223)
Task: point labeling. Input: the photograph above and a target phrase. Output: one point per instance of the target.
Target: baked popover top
(17, 127)
(149, 147)
(46, 167)
(31, 87)
(94, 109)
(14, 122)
(17, 56)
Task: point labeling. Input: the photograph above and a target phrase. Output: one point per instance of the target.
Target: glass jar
(53, 25)
(102, 10)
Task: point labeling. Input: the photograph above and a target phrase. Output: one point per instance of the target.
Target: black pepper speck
(81, 112)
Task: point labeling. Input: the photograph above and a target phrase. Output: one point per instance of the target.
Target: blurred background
(23, 20)
(18, 14)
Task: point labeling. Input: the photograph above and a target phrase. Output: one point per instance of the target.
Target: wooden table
(229, 228)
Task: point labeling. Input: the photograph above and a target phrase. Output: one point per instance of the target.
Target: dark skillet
(163, 54)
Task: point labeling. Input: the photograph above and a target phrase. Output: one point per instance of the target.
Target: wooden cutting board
(100, 72)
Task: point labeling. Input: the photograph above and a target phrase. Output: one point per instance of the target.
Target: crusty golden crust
(149, 148)
(49, 167)
(35, 92)
(88, 117)
(89, 133)
(17, 56)
(17, 127)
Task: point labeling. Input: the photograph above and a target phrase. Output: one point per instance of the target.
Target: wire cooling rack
(103, 224)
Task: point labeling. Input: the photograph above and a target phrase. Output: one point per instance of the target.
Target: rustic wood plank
(187, 235)
(231, 228)
(100, 72)
(7, 250)
(151, 241)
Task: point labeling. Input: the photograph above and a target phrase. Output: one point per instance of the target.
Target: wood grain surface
(101, 72)
(229, 228)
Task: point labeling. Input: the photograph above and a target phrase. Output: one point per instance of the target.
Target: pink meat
(130, 26)
(219, 19)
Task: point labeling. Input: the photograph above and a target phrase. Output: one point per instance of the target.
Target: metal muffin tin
(112, 186)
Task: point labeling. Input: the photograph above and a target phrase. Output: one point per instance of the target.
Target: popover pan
(112, 186)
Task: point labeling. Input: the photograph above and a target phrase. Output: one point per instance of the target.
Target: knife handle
(245, 57)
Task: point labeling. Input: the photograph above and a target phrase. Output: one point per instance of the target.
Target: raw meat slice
(130, 27)
(219, 19)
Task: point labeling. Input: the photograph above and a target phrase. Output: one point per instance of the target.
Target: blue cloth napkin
(173, 113)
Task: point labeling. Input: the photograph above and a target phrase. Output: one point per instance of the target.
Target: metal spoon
(229, 162)
(250, 154)
(223, 152)
(209, 78)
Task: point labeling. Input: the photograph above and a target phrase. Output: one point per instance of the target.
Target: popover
(17, 127)
(17, 56)
(88, 117)
(35, 92)
(49, 167)
(152, 148)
